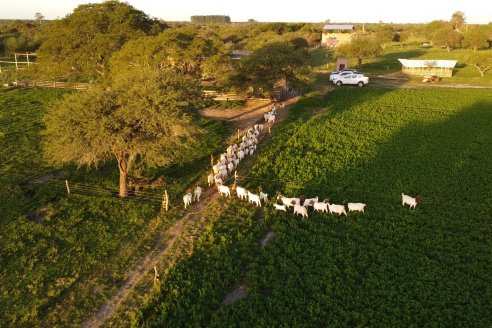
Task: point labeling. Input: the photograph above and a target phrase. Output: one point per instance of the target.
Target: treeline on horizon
(62, 56)
(210, 19)
(19, 35)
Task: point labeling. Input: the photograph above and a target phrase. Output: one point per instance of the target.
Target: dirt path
(243, 120)
(165, 242)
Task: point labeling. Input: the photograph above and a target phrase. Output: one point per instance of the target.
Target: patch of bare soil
(264, 241)
(236, 294)
(59, 174)
(244, 118)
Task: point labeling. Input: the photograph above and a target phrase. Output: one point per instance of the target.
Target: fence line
(79, 86)
(83, 86)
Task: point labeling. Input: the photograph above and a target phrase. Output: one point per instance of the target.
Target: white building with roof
(443, 68)
(335, 34)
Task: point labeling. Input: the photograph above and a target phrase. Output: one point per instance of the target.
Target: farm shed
(334, 35)
(428, 67)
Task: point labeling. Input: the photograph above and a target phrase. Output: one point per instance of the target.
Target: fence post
(237, 134)
(156, 277)
(68, 187)
(165, 201)
(235, 177)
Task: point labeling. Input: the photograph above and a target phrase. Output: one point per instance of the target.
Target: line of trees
(210, 19)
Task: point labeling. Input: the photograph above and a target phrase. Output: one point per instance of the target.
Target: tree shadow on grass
(440, 253)
(391, 266)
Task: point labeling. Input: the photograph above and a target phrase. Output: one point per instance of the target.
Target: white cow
(310, 201)
(321, 207)
(210, 179)
(197, 193)
(338, 209)
(298, 209)
(280, 207)
(241, 192)
(230, 167)
(252, 198)
(289, 201)
(408, 200)
(187, 199)
(264, 196)
(356, 207)
(224, 191)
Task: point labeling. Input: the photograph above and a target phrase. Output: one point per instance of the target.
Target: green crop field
(62, 256)
(390, 267)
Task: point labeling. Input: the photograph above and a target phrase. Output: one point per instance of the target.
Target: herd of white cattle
(230, 159)
(300, 204)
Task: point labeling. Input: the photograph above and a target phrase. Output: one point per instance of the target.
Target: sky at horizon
(355, 11)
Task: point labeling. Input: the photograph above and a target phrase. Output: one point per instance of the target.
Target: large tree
(476, 38)
(144, 115)
(448, 38)
(277, 63)
(385, 34)
(403, 37)
(431, 28)
(189, 50)
(361, 46)
(39, 18)
(81, 44)
(457, 20)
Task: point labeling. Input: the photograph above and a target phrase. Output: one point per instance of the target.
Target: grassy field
(388, 267)
(388, 63)
(63, 255)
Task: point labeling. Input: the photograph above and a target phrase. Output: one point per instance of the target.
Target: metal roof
(428, 63)
(338, 27)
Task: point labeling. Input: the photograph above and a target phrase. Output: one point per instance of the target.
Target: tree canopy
(457, 20)
(384, 35)
(274, 64)
(81, 44)
(210, 19)
(361, 46)
(447, 37)
(144, 115)
(476, 38)
(188, 50)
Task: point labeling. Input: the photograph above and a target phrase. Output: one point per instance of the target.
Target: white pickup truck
(353, 79)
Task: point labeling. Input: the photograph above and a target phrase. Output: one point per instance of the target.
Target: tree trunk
(125, 162)
(123, 183)
(359, 62)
